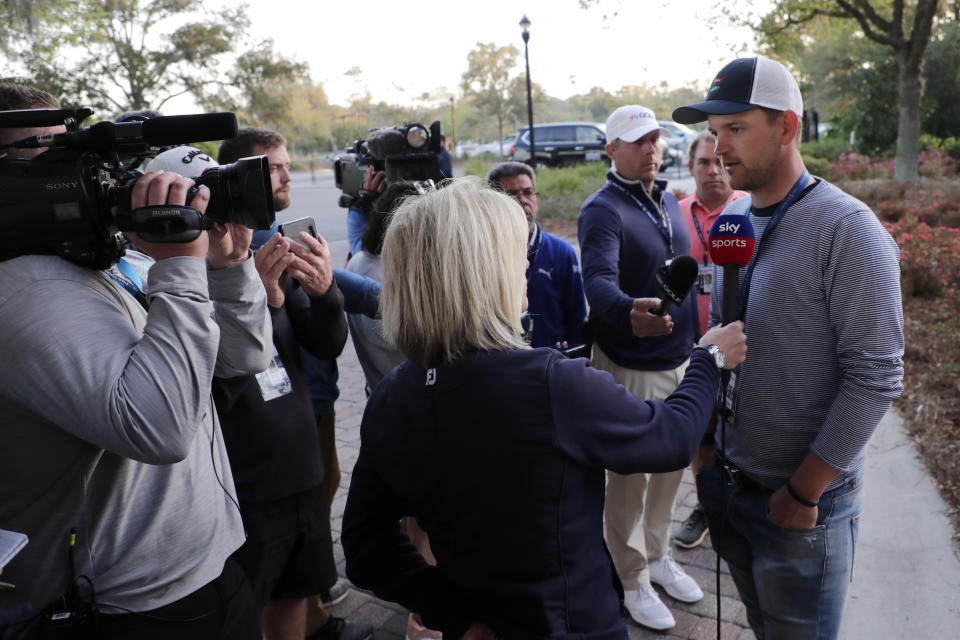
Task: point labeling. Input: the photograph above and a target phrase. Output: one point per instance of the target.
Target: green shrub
(563, 190)
(828, 148)
(928, 140)
(479, 166)
(951, 147)
(816, 165)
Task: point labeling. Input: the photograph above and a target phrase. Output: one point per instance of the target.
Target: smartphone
(293, 228)
(577, 351)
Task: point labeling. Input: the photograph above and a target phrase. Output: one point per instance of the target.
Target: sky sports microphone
(731, 245)
(676, 280)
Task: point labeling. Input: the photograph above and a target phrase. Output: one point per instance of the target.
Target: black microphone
(167, 130)
(676, 280)
(157, 132)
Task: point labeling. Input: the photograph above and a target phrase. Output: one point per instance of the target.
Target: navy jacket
(556, 307)
(621, 249)
(501, 458)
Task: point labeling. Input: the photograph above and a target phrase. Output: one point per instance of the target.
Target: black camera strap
(165, 223)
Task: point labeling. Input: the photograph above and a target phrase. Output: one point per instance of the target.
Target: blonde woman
(499, 450)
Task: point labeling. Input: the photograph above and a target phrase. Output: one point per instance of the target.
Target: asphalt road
(317, 198)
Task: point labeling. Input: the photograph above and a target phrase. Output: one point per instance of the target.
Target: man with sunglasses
(556, 308)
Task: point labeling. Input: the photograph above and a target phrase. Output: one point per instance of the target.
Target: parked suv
(676, 145)
(561, 143)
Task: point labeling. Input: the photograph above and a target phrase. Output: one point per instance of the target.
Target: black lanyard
(703, 241)
(792, 196)
(663, 224)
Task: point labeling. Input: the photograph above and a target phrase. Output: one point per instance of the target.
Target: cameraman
(15, 97)
(114, 459)
(374, 182)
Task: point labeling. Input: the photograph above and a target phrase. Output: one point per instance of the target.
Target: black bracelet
(796, 496)
(708, 438)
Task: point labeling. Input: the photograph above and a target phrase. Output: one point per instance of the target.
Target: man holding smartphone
(280, 451)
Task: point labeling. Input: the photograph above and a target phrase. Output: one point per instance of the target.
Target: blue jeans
(792, 581)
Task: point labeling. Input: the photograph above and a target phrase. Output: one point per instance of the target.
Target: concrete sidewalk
(906, 577)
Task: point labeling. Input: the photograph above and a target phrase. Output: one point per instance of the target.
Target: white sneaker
(646, 608)
(674, 580)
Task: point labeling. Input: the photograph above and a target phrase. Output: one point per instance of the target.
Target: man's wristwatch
(718, 357)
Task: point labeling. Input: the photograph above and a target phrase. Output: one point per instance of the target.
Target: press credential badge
(274, 382)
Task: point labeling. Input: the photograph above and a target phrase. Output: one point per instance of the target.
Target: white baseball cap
(631, 122)
(189, 162)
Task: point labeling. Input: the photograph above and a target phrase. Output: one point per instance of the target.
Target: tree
(942, 72)
(258, 88)
(845, 77)
(129, 54)
(309, 124)
(118, 55)
(487, 81)
(905, 30)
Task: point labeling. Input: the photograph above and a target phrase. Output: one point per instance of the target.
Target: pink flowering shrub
(929, 255)
(859, 166)
(932, 163)
(935, 164)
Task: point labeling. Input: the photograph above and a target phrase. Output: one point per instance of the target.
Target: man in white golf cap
(821, 303)
(628, 229)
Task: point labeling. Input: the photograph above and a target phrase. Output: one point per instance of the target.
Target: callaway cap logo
(193, 153)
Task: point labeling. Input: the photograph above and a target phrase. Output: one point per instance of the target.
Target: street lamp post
(525, 30)
(453, 124)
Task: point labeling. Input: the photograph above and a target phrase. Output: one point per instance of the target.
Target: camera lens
(241, 192)
(417, 136)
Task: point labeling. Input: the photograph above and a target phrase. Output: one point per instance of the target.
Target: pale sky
(406, 48)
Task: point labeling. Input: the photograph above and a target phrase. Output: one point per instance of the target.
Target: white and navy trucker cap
(744, 84)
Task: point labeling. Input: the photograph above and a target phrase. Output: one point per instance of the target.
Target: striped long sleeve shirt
(824, 327)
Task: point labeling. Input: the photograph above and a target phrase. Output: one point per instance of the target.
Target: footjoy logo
(431, 376)
(728, 227)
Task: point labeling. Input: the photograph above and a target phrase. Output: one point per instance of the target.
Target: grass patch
(562, 190)
(479, 166)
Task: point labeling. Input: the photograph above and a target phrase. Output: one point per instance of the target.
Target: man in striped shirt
(700, 211)
(821, 303)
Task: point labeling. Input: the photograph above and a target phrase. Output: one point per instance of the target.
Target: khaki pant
(639, 506)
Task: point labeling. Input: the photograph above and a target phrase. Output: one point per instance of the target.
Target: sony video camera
(60, 201)
(404, 153)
